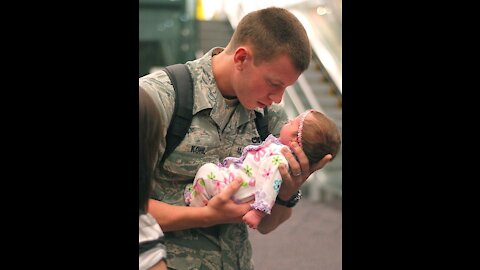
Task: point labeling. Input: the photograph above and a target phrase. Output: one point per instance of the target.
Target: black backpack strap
(147, 245)
(261, 121)
(182, 83)
(182, 113)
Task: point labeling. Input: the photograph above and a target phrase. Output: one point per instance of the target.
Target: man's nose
(277, 97)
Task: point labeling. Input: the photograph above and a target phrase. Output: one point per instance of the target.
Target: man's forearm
(174, 218)
(221, 209)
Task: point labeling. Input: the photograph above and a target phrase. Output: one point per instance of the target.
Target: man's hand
(222, 209)
(300, 170)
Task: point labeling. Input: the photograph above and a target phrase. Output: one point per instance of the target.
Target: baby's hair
(320, 136)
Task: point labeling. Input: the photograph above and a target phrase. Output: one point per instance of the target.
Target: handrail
(307, 90)
(329, 64)
(296, 100)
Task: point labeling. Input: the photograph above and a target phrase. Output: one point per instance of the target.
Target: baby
(318, 136)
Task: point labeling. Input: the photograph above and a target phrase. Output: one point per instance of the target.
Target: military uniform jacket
(220, 128)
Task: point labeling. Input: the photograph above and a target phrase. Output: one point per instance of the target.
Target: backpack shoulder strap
(261, 121)
(182, 113)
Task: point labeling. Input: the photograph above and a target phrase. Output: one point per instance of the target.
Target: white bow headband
(300, 127)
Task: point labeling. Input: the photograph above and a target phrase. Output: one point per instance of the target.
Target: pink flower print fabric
(258, 167)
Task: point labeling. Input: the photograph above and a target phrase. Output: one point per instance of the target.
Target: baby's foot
(253, 217)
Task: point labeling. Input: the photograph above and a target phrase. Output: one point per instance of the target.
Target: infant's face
(289, 131)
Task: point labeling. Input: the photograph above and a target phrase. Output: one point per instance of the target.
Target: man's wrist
(284, 197)
(290, 202)
(206, 217)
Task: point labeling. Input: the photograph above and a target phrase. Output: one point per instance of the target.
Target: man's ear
(240, 56)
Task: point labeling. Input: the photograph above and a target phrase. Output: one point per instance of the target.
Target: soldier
(267, 52)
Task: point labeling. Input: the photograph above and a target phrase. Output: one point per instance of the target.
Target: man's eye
(274, 85)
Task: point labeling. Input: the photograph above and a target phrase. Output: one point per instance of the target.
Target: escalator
(315, 90)
(330, 101)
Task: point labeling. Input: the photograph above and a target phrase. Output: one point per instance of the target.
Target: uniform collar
(248, 115)
(206, 90)
(207, 94)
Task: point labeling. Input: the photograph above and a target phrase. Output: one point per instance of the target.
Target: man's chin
(260, 105)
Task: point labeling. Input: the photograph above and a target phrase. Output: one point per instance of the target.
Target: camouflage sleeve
(277, 117)
(159, 87)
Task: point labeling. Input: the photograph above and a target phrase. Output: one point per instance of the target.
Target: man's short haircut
(273, 31)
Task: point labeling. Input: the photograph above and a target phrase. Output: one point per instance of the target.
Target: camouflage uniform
(218, 130)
